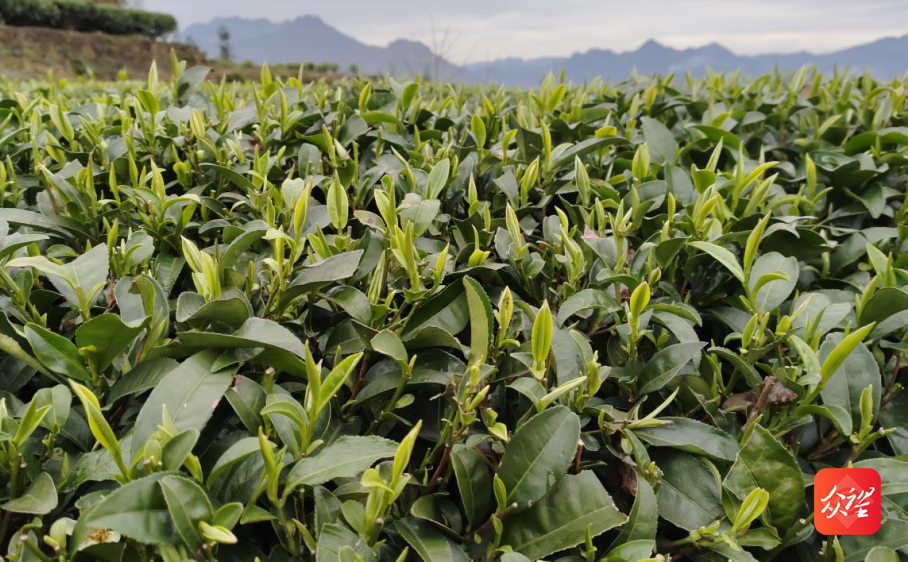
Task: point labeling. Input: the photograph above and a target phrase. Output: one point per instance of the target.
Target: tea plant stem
(363, 367)
(766, 390)
(485, 459)
(828, 443)
(669, 545)
(497, 515)
(389, 407)
(793, 532)
(30, 544)
(4, 526)
(442, 465)
(287, 527)
(891, 389)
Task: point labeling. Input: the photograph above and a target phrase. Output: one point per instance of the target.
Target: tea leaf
(560, 520)
(539, 454)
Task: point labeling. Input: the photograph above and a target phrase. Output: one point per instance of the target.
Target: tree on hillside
(224, 43)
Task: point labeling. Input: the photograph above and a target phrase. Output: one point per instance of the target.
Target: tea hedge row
(85, 15)
(383, 320)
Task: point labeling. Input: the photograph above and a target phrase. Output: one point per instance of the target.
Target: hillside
(28, 52)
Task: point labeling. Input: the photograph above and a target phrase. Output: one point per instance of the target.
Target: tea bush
(381, 320)
(85, 15)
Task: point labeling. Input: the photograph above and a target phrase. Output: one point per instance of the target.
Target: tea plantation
(374, 320)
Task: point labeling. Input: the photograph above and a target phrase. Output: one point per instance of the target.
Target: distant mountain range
(309, 39)
(886, 58)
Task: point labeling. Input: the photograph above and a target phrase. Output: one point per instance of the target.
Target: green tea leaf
(39, 499)
(666, 364)
(539, 455)
(691, 436)
(723, 256)
(56, 352)
(108, 335)
(481, 320)
(853, 373)
(765, 463)
(689, 496)
(660, 141)
(188, 506)
(428, 542)
(561, 519)
(473, 483)
(347, 457)
(137, 510)
(643, 518)
(190, 393)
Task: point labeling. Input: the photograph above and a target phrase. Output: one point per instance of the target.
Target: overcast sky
(487, 29)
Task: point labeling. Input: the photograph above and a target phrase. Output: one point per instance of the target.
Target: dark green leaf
(691, 436)
(188, 505)
(539, 455)
(562, 518)
(766, 463)
(473, 482)
(428, 542)
(666, 364)
(643, 518)
(56, 352)
(137, 510)
(39, 499)
(107, 335)
(689, 494)
(859, 371)
(190, 393)
(347, 457)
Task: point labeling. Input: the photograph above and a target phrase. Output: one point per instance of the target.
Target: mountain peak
(221, 20)
(652, 46)
(713, 49)
(308, 19)
(406, 43)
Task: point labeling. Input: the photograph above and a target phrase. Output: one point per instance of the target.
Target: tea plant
(380, 320)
